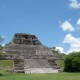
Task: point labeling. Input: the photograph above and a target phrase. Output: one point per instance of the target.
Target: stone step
(40, 70)
(19, 68)
(18, 71)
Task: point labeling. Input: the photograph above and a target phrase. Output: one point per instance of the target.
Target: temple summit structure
(29, 55)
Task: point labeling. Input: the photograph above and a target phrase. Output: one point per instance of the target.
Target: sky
(56, 23)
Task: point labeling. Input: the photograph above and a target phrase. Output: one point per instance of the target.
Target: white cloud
(78, 22)
(74, 47)
(74, 43)
(75, 4)
(60, 49)
(70, 39)
(67, 26)
(3, 45)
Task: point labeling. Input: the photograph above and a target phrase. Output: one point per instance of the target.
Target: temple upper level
(23, 38)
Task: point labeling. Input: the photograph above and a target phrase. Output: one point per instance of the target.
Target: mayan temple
(29, 55)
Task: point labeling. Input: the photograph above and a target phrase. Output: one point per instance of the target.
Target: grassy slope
(6, 63)
(58, 76)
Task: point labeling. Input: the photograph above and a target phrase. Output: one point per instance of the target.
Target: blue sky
(54, 22)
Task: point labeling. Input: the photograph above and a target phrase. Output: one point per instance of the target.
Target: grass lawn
(55, 76)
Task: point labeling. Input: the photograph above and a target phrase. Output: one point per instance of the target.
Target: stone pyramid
(29, 55)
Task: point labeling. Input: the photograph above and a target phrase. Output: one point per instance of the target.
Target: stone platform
(29, 55)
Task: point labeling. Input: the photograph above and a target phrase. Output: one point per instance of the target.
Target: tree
(1, 47)
(72, 62)
(1, 40)
(57, 52)
(54, 50)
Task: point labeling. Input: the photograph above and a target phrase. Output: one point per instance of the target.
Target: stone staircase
(53, 64)
(18, 66)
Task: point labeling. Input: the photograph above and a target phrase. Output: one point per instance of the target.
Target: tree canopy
(57, 52)
(1, 40)
(72, 62)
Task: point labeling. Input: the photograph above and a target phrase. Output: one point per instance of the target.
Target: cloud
(60, 49)
(74, 47)
(78, 22)
(70, 39)
(74, 4)
(3, 45)
(73, 41)
(67, 26)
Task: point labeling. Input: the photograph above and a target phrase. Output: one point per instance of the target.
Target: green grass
(5, 63)
(56, 76)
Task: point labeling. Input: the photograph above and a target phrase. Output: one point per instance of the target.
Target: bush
(1, 74)
(72, 62)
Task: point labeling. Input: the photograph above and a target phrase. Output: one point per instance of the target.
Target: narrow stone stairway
(18, 66)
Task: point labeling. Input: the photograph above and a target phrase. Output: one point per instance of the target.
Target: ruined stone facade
(26, 39)
(29, 55)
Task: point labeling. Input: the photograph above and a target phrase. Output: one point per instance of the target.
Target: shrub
(72, 62)
(1, 74)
